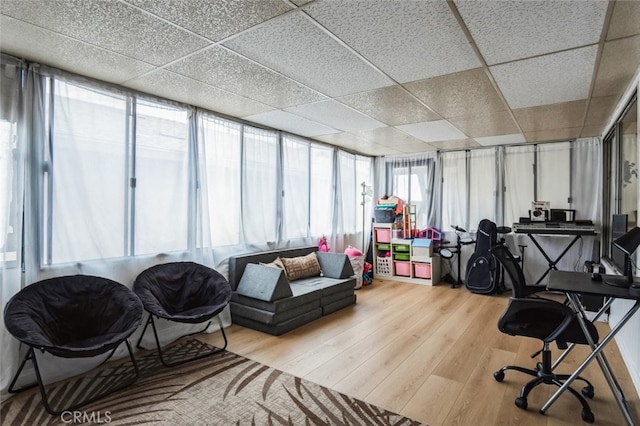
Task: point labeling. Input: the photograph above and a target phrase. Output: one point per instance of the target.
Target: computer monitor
(618, 229)
(627, 244)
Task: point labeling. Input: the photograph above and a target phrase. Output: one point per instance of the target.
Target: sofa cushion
(267, 317)
(335, 265)
(338, 304)
(327, 285)
(301, 295)
(281, 328)
(264, 283)
(301, 266)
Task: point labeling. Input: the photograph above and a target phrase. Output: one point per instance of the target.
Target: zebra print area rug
(224, 389)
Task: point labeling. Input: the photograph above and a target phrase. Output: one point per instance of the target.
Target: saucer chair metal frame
(75, 316)
(183, 292)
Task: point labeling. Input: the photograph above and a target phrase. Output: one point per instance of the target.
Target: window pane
(259, 191)
(8, 238)
(88, 174)
(220, 140)
(295, 208)
(482, 187)
(454, 190)
(629, 166)
(348, 192)
(162, 179)
(321, 190)
(518, 177)
(554, 174)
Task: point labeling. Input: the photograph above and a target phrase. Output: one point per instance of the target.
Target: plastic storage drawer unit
(422, 270)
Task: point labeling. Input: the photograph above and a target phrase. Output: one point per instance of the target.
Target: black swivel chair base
(162, 357)
(544, 375)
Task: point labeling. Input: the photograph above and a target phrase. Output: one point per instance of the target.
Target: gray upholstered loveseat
(264, 299)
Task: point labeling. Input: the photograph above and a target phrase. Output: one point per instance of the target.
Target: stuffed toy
(352, 251)
(322, 244)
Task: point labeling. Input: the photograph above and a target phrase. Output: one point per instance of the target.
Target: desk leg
(621, 402)
(571, 346)
(552, 263)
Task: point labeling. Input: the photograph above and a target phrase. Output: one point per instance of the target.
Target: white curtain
(553, 175)
(296, 196)
(518, 179)
(454, 190)
(13, 151)
(483, 187)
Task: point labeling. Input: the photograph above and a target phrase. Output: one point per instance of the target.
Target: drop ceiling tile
(179, 88)
(455, 144)
(625, 20)
(600, 110)
(465, 93)
(388, 136)
(550, 79)
(379, 30)
(336, 115)
(39, 45)
(553, 135)
(501, 140)
(298, 48)
(391, 105)
(111, 25)
(431, 131)
(214, 19)
(556, 116)
(489, 124)
(509, 30)
(225, 69)
(354, 143)
(292, 123)
(618, 64)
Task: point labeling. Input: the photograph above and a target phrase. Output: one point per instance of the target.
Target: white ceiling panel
(509, 30)
(214, 19)
(225, 69)
(336, 115)
(373, 76)
(111, 25)
(378, 30)
(40, 45)
(501, 140)
(549, 79)
(292, 123)
(167, 84)
(432, 131)
(298, 48)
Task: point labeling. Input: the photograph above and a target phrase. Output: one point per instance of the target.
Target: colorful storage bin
(383, 235)
(422, 270)
(402, 268)
(383, 265)
(422, 247)
(401, 256)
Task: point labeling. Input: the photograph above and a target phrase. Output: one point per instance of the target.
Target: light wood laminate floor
(429, 353)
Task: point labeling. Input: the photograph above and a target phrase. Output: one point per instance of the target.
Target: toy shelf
(400, 259)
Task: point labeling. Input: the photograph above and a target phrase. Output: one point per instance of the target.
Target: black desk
(546, 228)
(574, 284)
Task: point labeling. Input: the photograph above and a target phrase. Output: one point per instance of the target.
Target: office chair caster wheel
(588, 416)
(498, 375)
(522, 403)
(588, 391)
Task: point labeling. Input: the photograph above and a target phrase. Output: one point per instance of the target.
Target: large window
(621, 171)
(412, 180)
(116, 177)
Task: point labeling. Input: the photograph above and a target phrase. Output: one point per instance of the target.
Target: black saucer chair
(75, 316)
(544, 319)
(184, 292)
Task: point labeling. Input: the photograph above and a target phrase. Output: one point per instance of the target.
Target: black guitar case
(483, 274)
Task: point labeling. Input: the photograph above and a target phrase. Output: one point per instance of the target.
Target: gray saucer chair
(75, 316)
(183, 292)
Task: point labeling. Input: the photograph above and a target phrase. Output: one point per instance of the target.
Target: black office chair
(543, 319)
